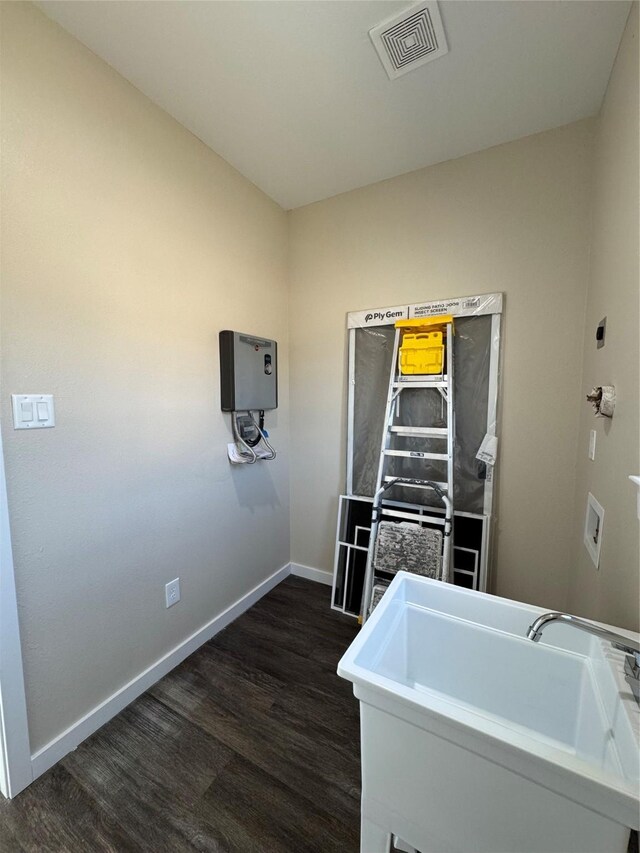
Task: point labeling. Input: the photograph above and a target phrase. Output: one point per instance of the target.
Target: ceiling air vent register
(410, 39)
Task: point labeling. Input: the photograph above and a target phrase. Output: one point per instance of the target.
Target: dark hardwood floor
(252, 745)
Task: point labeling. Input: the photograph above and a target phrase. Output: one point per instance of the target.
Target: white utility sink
(474, 738)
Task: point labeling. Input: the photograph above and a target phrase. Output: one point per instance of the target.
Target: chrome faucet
(618, 641)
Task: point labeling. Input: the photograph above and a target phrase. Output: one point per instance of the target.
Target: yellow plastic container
(422, 347)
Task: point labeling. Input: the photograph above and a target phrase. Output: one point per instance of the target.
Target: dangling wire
(261, 431)
(239, 439)
(250, 443)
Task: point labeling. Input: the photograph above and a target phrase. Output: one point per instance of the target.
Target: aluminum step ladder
(438, 443)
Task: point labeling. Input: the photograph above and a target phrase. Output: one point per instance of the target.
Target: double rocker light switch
(33, 411)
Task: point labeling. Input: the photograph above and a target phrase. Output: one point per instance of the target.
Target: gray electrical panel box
(248, 372)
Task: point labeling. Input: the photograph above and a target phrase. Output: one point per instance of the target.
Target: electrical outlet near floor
(172, 592)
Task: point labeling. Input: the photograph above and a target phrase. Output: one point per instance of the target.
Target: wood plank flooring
(252, 745)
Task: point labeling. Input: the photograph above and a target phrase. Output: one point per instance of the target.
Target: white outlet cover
(172, 592)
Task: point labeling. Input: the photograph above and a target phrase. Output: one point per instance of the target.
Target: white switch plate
(592, 444)
(33, 411)
(172, 592)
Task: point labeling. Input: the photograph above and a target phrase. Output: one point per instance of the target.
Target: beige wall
(126, 246)
(514, 218)
(612, 593)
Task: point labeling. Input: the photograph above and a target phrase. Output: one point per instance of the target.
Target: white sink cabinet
(477, 740)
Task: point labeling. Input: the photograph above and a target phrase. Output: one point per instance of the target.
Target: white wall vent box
(248, 372)
(593, 523)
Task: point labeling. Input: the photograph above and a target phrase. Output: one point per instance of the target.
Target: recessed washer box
(248, 372)
(593, 523)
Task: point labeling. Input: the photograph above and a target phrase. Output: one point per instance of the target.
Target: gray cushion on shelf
(408, 547)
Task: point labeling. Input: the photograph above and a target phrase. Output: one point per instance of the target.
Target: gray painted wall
(126, 246)
(515, 219)
(612, 593)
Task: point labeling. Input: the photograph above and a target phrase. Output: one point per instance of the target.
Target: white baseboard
(311, 574)
(56, 749)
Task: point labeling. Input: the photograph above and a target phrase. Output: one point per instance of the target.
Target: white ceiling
(294, 96)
